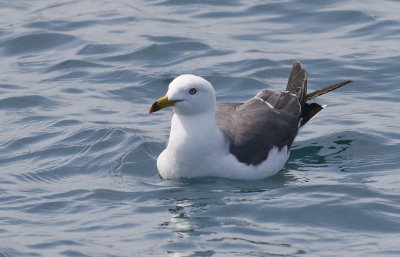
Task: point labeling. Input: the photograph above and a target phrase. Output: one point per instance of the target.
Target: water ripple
(28, 44)
(73, 64)
(167, 53)
(100, 49)
(62, 25)
(29, 101)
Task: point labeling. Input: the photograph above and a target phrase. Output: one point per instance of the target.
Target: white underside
(212, 162)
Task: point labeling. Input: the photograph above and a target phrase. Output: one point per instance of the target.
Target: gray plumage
(270, 118)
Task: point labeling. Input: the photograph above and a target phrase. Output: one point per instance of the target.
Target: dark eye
(192, 91)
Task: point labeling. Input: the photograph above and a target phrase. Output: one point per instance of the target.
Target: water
(78, 149)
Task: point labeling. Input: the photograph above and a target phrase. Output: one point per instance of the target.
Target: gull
(249, 140)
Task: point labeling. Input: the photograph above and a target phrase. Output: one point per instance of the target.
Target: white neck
(200, 129)
(195, 143)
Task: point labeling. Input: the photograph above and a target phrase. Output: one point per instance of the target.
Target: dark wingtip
(347, 81)
(327, 89)
(154, 107)
(297, 82)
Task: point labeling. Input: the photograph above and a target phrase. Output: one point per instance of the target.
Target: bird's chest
(188, 150)
(192, 146)
(181, 161)
(186, 157)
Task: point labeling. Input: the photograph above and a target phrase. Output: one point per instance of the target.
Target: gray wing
(254, 127)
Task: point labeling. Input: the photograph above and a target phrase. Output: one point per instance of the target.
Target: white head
(189, 95)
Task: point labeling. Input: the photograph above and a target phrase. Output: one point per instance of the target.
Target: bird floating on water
(249, 140)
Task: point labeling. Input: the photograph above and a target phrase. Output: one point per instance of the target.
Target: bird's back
(270, 119)
(256, 126)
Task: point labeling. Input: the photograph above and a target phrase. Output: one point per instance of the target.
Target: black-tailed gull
(248, 140)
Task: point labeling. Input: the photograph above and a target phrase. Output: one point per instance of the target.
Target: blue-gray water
(78, 149)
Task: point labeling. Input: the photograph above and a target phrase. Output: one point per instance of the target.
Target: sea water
(78, 149)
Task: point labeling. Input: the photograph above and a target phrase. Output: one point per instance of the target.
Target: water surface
(78, 149)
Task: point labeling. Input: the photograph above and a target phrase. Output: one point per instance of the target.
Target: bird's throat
(190, 133)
